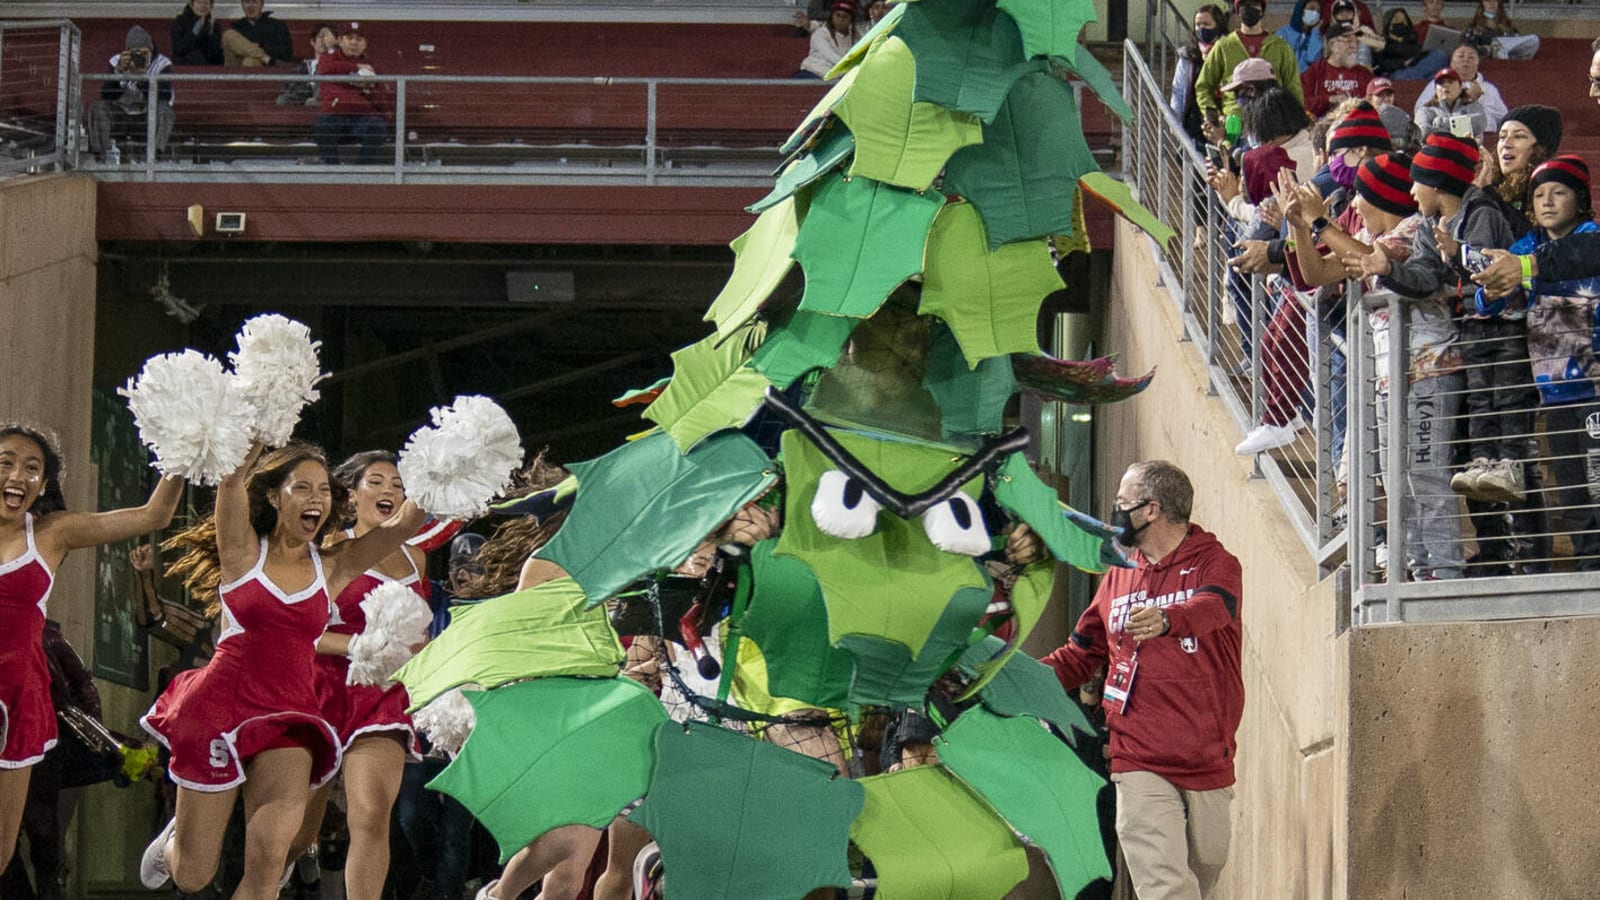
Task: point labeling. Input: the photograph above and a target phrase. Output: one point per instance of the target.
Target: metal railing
(723, 131)
(38, 95)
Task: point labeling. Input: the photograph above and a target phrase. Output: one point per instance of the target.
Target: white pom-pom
(455, 466)
(278, 371)
(447, 721)
(191, 414)
(397, 620)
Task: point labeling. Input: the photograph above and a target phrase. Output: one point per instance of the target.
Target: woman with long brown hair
(36, 534)
(250, 721)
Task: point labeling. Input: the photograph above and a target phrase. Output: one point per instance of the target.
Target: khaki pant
(1175, 841)
(238, 50)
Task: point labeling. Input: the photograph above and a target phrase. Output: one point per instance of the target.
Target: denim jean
(438, 828)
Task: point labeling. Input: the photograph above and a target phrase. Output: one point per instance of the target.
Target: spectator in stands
(1346, 15)
(1174, 615)
(1402, 57)
(1464, 60)
(1451, 111)
(350, 109)
(307, 93)
(1337, 77)
(1432, 14)
(1494, 33)
(1338, 12)
(1277, 127)
(830, 42)
(1250, 41)
(1529, 135)
(124, 107)
(257, 39)
(876, 10)
(1210, 24)
(196, 38)
(1563, 338)
(1403, 133)
(1302, 34)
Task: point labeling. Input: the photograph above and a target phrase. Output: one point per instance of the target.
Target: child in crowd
(1563, 335)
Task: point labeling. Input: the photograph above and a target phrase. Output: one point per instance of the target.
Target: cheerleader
(251, 717)
(373, 726)
(36, 533)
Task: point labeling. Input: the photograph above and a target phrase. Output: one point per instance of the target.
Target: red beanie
(1385, 182)
(1361, 128)
(1446, 162)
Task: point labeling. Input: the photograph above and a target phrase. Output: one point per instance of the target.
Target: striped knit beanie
(1361, 128)
(1568, 169)
(1446, 162)
(1385, 182)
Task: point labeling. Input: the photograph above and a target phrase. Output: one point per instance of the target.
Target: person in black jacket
(196, 39)
(257, 39)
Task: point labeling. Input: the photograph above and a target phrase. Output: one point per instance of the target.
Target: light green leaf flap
(1050, 27)
(762, 256)
(892, 584)
(644, 506)
(989, 298)
(742, 819)
(1029, 596)
(971, 401)
(808, 127)
(875, 35)
(1025, 687)
(1023, 177)
(1117, 195)
(931, 839)
(543, 631)
(832, 148)
(899, 140)
(1086, 67)
(1037, 784)
(537, 736)
(807, 341)
(789, 622)
(887, 675)
(712, 387)
(1072, 537)
(967, 53)
(860, 240)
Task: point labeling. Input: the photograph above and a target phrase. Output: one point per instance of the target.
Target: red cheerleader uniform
(358, 709)
(257, 693)
(27, 720)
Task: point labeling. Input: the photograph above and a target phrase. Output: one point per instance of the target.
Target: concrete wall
(1287, 835)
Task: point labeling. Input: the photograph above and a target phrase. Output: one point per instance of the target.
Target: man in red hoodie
(1167, 632)
(350, 109)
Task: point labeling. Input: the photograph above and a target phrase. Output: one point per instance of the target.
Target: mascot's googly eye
(956, 526)
(842, 508)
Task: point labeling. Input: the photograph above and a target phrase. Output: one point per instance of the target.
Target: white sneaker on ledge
(153, 872)
(1269, 437)
(484, 892)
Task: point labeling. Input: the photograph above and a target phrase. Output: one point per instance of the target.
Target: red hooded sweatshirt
(1188, 693)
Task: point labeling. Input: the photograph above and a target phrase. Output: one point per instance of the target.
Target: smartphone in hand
(1473, 259)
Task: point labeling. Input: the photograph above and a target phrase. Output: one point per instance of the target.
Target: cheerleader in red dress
(250, 720)
(373, 725)
(36, 532)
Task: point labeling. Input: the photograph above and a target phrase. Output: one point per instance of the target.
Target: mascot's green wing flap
(712, 387)
(787, 619)
(740, 819)
(551, 732)
(900, 140)
(968, 54)
(1072, 537)
(1030, 594)
(543, 631)
(1025, 687)
(832, 148)
(972, 401)
(861, 238)
(887, 675)
(930, 838)
(1050, 27)
(762, 257)
(1117, 195)
(1037, 784)
(806, 341)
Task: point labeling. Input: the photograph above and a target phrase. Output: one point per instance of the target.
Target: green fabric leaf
(543, 631)
(861, 239)
(989, 298)
(831, 150)
(762, 256)
(967, 53)
(1050, 27)
(1118, 196)
(712, 387)
(1024, 175)
(537, 735)
(931, 839)
(636, 395)
(644, 506)
(813, 121)
(899, 140)
(874, 36)
(1025, 687)
(885, 672)
(807, 341)
(1088, 68)
(892, 584)
(1029, 596)
(971, 401)
(1072, 537)
(789, 622)
(743, 819)
(1037, 784)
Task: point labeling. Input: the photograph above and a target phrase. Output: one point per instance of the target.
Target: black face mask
(1251, 15)
(1206, 35)
(1123, 518)
(1400, 31)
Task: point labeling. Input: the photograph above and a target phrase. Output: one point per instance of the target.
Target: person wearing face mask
(1167, 632)
(1302, 33)
(1351, 16)
(1250, 41)
(1210, 24)
(1402, 57)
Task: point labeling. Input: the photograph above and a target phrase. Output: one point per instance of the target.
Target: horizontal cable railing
(38, 95)
(405, 128)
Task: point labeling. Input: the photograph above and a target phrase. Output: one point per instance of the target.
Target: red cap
(845, 5)
(1446, 73)
(1378, 85)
